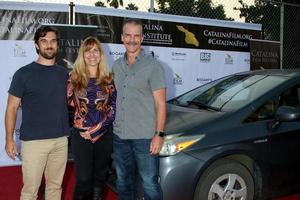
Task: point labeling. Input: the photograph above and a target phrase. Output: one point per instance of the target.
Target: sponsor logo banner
(181, 56)
(174, 34)
(202, 80)
(177, 80)
(264, 54)
(205, 57)
(19, 50)
(228, 59)
(22, 24)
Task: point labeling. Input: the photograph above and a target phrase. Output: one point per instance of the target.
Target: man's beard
(48, 55)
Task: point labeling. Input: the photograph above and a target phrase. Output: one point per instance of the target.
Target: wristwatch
(160, 133)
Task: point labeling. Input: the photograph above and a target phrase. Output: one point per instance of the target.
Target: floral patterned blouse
(94, 109)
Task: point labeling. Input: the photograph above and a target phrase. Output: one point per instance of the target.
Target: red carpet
(11, 184)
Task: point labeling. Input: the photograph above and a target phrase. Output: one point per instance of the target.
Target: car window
(265, 112)
(290, 97)
(229, 93)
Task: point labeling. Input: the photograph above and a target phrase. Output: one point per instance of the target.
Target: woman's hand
(86, 135)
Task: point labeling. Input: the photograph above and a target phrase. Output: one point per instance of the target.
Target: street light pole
(281, 33)
(151, 5)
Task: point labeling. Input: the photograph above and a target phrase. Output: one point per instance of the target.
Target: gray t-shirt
(135, 114)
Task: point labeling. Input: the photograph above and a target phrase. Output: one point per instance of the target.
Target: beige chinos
(39, 156)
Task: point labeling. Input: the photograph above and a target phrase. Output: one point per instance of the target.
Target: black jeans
(91, 162)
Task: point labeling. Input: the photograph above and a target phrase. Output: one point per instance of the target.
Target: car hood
(180, 119)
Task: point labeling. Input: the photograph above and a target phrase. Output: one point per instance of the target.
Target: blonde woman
(92, 92)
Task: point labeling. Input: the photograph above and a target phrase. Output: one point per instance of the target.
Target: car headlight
(173, 144)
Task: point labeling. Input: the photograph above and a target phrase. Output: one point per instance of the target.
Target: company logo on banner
(19, 51)
(203, 80)
(228, 38)
(178, 56)
(228, 59)
(247, 60)
(205, 57)
(264, 54)
(189, 36)
(155, 34)
(116, 54)
(22, 24)
(177, 80)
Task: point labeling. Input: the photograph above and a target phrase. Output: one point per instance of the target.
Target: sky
(145, 4)
(228, 7)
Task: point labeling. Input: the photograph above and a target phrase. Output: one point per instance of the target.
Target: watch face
(160, 133)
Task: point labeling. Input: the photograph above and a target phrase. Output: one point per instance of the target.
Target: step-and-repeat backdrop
(193, 51)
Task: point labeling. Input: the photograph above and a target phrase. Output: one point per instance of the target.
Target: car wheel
(226, 180)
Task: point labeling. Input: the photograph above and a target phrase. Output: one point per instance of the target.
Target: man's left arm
(160, 108)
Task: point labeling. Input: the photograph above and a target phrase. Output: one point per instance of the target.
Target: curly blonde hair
(80, 74)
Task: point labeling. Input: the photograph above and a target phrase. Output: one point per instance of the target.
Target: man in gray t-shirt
(140, 116)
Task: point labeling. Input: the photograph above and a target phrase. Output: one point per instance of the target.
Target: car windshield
(229, 93)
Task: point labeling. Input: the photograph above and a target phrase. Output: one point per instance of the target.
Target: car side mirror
(286, 114)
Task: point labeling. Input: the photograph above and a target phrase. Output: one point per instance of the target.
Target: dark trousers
(91, 162)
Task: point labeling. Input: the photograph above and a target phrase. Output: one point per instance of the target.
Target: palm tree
(99, 4)
(115, 3)
(131, 6)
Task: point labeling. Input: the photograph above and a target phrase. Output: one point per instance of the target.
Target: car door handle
(260, 141)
